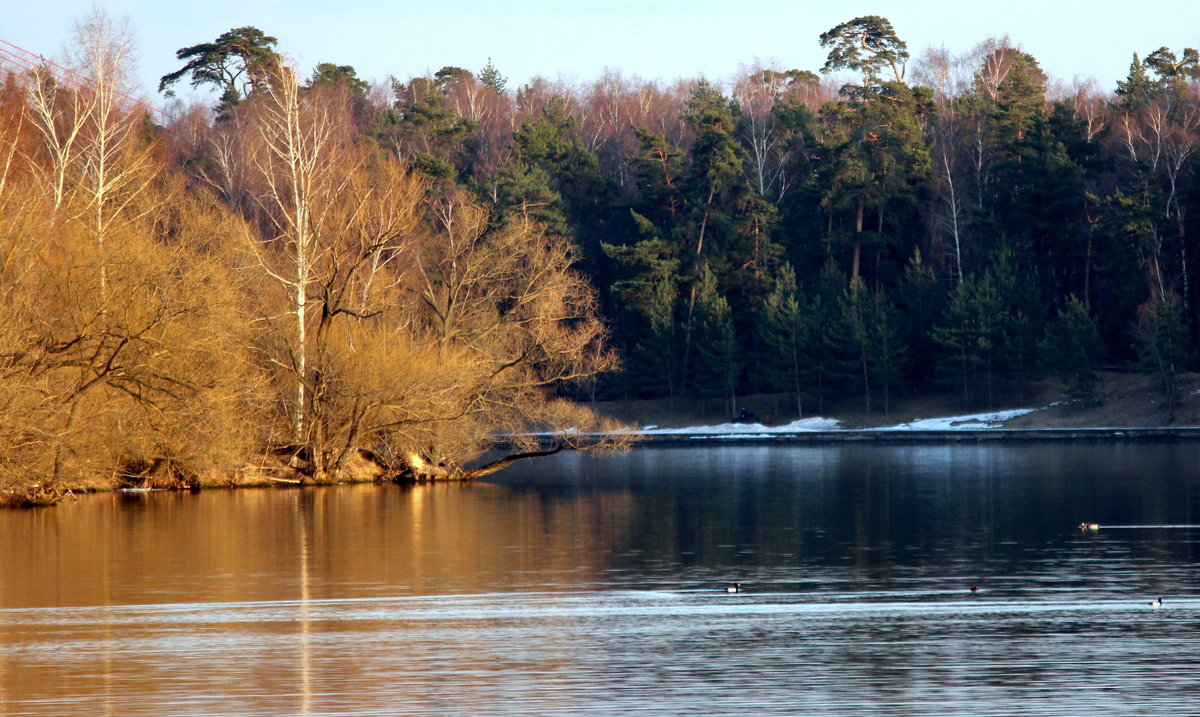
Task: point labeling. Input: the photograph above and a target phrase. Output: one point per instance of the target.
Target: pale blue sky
(653, 40)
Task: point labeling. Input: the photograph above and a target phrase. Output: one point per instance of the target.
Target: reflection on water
(594, 585)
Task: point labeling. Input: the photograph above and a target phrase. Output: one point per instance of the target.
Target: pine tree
(646, 301)
(1072, 350)
(783, 334)
(1136, 89)
(491, 77)
(888, 346)
(556, 178)
(1163, 344)
(873, 332)
(826, 349)
(723, 224)
(659, 168)
(971, 333)
(423, 128)
(718, 354)
(875, 168)
(921, 299)
(856, 317)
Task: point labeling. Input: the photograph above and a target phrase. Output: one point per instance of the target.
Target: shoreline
(683, 437)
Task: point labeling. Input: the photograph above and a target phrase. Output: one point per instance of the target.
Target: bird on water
(1089, 526)
(735, 588)
(1156, 603)
(974, 588)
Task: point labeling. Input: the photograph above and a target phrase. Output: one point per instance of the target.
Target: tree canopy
(236, 63)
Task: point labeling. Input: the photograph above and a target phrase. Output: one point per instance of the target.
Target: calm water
(595, 586)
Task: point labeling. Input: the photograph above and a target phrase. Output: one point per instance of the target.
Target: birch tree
(296, 159)
(332, 219)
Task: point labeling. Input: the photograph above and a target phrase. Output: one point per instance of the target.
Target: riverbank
(272, 470)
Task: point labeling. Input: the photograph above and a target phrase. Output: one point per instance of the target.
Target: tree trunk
(687, 327)
(858, 227)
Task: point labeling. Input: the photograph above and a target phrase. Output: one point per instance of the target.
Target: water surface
(595, 585)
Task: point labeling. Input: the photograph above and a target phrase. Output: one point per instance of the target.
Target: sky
(577, 41)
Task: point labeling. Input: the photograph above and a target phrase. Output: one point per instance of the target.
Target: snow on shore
(800, 426)
(973, 422)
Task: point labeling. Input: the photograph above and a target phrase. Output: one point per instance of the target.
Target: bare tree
(950, 79)
(298, 157)
(993, 59)
(85, 124)
(756, 89)
(515, 324)
(608, 125)
(1091, 106)
(107, 376)
(1160, 141)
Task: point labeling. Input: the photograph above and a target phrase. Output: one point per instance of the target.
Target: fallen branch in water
(506, 461)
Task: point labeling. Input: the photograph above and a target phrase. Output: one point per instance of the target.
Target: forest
(319, 278)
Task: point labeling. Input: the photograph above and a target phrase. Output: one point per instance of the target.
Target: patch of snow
(972, 422)
(745, 430)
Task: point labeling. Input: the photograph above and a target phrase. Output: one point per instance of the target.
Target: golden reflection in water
(305, 608)
(3, 680)
(219, 558)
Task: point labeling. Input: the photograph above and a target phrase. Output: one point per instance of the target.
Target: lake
(595, 585)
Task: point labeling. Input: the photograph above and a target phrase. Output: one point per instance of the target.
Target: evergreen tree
(970, 334)
(556, 179)
(856, 316)
(551, 142)
(1174, 72)
(875, 168)
(659, 168)
(327, 73)
(799, 196)
(723, 224)
(525, 193)
(921, 299)
(718, 354)
(491, 77)
(423, 128)
(826, 355)
(1135, 90)
(1163, 345)
(1072, 350)
(888, 347)
(237, 62)
(784, 336)
(1021, 317)
(646, 302)
(1128, 265)
(872, 328)
(865, 44)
